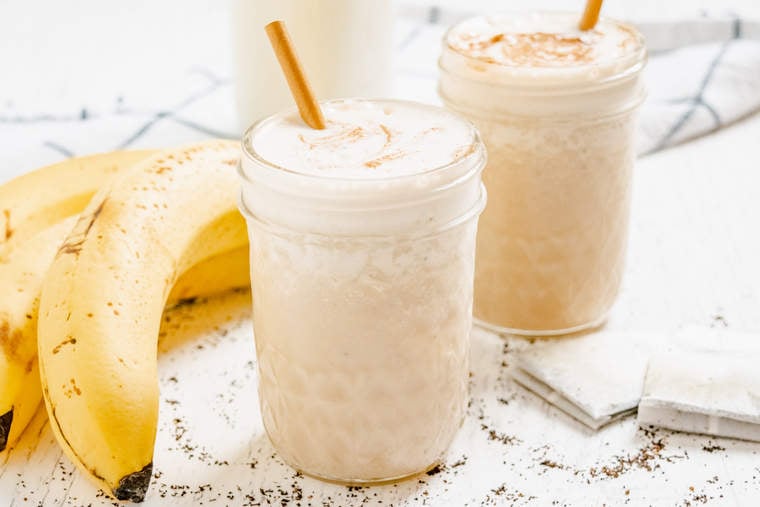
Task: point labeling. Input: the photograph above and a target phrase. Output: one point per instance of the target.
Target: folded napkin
(709, 386)
(596, 378)
(699, 380)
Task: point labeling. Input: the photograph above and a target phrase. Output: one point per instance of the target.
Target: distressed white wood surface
(694, 259)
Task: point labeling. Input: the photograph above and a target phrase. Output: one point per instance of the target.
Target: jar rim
(475, 210)
(476, 154)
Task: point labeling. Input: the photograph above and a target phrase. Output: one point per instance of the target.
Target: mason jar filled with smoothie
(362, 258)
(556, 106)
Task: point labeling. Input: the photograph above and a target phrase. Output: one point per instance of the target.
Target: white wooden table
(694, 259)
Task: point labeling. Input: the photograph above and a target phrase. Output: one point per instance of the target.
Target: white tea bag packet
(596, 378)
(709, 383)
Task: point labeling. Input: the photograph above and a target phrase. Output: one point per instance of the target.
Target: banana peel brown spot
(10, 340)
(70, 340)
(134, 486)
(185, 302)
(73, 244)
(71, 390)
(8, 228)
(5, 428)
(5, 331)
(71, 247)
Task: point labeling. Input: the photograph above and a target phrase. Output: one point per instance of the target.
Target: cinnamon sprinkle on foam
(365, 140)
(464, 152)
(388, 135)
(541, 40)
(345, 136)
(537, 48)
(373, 164)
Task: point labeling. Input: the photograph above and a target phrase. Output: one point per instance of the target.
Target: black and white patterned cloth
(703, 74)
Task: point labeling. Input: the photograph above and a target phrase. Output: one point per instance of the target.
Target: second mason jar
(362, 253)
(556, 108)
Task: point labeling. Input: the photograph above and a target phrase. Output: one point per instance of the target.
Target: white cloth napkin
(708, 383)
(703, 74)
(596, 378)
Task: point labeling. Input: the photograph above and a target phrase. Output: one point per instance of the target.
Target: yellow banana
(23, 267)
(213, 276)
(35, 201)
(20, 280)
(32, 208)
(103, 297)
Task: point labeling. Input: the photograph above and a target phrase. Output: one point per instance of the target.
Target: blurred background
(165, 69)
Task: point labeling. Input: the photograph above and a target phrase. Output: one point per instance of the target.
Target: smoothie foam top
(542, 39)
(365, 139)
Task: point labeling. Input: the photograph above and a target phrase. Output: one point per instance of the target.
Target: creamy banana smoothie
(556, 109)
(362, 252)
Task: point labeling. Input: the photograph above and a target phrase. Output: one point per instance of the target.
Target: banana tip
(5, 428)
(134, 486)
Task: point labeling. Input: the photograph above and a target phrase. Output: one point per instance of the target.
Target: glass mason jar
(362, 292)
(560, 137)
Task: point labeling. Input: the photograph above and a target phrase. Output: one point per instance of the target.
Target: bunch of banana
(104, 294)
(36, 214)
(20, 279)
(42, 198)
(33, 223)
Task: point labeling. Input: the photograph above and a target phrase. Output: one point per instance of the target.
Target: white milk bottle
(344, 45)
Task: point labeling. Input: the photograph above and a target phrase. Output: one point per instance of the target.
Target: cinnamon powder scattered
(648, 458)
(500, 437)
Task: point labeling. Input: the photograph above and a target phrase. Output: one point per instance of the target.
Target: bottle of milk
(345, 47)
